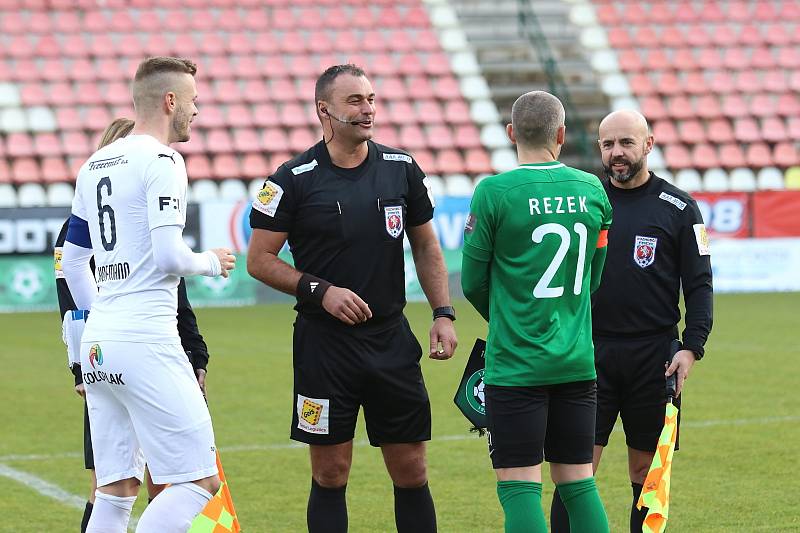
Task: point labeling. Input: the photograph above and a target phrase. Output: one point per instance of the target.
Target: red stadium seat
(683, 60)
(748, 81)
(704, 156)
(401, 112)
(419, 87)
(477, 161)
(54, 169)
(456, 112)
(225, 166)
(294, 116)
(438, 64)
(197, 144)
(20, 145)
(76, 144)
(707, 106)
(736, 58)
(765, 11)
(25, 70)
(255, 166)
(677, 156)
(33, 94)
(429, 112)
(642, 85)
(265, 116)
(439, 137)
(238, 43)
(274, 140)
(246, 140)
(25, 170)
(386, 135)
(257, 19)
(5, 172)
(746, 130)
(749, 35)
(793, 128)
(697, 35)
(731, 156)
(669, 84)
(709, 59)
(467, 136)
(773, 130)
(738, 11)
(427, 41)
(762, 58)
(785, 155)
(412, 138)
(776, 35)
(775, 81)
(653, 108)
(47, 145)
(447, 88)
(210, 116)
(227, 91)
(691, 132)
(630, 60)
(788, 105)
(401, 40)
(300, 139)
(67, 22)
(664, 132)
(758, 155)
(416, 17)
(734, 106)
(680, 107)
(619, 37)
(763, 105)
(96, 118)
(219, 141)
(450, 162)
(198, 167)
(789, 57)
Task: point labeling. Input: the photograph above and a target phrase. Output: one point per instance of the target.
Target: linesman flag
(219, 514)
(469, 397)
(655, 491)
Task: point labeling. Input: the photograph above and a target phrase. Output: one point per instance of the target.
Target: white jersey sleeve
(165, 191)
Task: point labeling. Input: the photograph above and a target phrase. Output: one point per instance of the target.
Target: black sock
(87, 514)
(327, 509)
(413, 510)
(559, 519)
(637, 516)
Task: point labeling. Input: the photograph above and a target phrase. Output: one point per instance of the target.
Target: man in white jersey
(142, 396)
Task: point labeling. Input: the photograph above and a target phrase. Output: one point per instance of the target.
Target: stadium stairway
(512, 65)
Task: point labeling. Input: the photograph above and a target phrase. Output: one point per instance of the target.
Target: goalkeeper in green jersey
(534, 247)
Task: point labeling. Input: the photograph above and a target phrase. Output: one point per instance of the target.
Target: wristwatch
(447, 311)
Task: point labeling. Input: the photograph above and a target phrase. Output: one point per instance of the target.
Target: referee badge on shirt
(393, 215)
(268, 198)
(312, 414)
(644, 251)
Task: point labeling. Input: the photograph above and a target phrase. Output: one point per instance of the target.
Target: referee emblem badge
(393, 214)
(268, 198)
(644, 251)
(312, 414)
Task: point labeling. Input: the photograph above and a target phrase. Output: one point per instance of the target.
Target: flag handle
(672, 381)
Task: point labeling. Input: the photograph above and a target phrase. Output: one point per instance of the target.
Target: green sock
(586, 513)
(522, 505)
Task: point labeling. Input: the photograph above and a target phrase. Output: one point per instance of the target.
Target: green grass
(733, 473)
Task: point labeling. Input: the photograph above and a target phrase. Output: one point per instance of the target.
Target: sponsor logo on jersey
(393, 215)
(95, 356)
(58, 253)
(474, 389)
(107, 163)
(644, 250)
(268, 198)
(469, 225)
(304, 168)
(98, 376)
(167, 202)
(312, 414)
(677, 202)
(171, 157)
(113, 272)
(397, 157)
(701, 236)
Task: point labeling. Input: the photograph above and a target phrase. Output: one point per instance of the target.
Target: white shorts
(144, 404)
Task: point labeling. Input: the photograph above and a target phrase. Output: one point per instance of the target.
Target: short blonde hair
(118, 129)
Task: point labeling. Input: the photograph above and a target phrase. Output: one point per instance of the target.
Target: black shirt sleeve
(274, 206)
(191, 339)
(696, 281)
(65, 301)
(420, 199)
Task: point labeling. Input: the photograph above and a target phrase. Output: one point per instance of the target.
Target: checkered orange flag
(219, 514)
(655, 494)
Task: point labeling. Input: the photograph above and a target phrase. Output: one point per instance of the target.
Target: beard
(626, 176)
(180, 125)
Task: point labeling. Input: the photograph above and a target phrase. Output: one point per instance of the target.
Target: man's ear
(561, 136)
(649, 142)
(170, 100)
(510, 133)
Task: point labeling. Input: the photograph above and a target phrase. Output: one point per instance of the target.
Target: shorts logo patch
(58, 253)
(474, 392)
(701, 236)
(393, 214)
(95, 356)
(644, 251)
(268, 198)
(312, 414)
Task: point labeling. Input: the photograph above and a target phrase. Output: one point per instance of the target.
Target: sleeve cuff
(198, 359)
(76, 372)
(695, 347)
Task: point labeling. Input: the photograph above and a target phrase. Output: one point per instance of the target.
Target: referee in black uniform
(191, 339)
(657, 246)
(344, 205)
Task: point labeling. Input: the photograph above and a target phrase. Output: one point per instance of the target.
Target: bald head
(536, 118)
(628, 120)
(625, 140)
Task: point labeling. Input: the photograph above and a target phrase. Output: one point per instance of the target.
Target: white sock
(173, 510)
(110, 513)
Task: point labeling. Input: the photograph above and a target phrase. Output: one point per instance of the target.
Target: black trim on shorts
(88, 452)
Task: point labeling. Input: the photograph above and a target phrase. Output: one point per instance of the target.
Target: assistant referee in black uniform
(657, 246)
(192, 341)
(344, 205)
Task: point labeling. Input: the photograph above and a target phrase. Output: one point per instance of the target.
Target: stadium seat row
(710, 58)
(744, 130)
(713, 106)
(610, 12)
(730, 155)
(364, 16)
(668, 83)
(702, 35)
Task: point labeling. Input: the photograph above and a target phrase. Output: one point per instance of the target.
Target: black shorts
(88, 452)
(529, 424)
(338, 368)
(631, 383)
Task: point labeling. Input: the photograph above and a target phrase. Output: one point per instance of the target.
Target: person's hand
(226, 260)
(346, 305)
(201, 380)
(682, 363)
(81, 390)
(443, 339)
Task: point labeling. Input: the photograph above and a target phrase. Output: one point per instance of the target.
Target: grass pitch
(734, 472)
